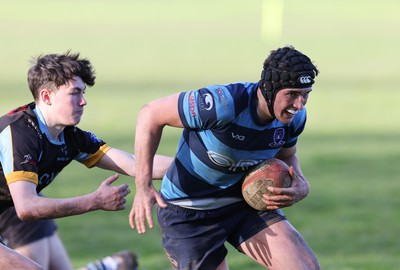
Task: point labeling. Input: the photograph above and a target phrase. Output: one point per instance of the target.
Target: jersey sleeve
(19, 155)
(94, 158)
(206, 108)
(92, 149)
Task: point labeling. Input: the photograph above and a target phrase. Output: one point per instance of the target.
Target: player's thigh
(280, 246)
(16, 233)
(12, 260)
(37, 251)
(59, 259)
(48, 252)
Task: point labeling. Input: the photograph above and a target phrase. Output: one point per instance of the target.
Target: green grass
(147, 49)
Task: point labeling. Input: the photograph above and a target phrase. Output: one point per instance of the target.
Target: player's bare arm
(151, 121)
(285, 197)
(161, 165)
(30, 206)
(125, 163)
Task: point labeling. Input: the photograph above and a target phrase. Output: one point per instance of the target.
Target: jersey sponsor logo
(222, 97)
(47, 178)
(63, 159)
(226, 162)
(279, 134)
(238, 137)
(192, 106)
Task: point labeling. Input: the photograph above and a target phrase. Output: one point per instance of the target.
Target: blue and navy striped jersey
(222, 138)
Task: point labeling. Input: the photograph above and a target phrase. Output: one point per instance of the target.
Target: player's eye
(292, 95)
(78, 92)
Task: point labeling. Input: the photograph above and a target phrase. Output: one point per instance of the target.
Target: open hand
(111, 198)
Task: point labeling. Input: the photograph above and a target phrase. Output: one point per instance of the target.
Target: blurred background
(143, 50)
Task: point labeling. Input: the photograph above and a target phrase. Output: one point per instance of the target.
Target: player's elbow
(25, 214)
(145, 110)
(149, 114)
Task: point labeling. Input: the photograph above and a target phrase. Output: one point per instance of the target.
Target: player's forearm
(125, 163)
(161, 165)
(50, 208)
(302, 185)
(147, 139)
(144, 166)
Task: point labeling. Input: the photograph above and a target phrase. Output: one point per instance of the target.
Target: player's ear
(45, 96)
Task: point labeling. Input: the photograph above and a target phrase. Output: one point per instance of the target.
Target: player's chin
(76, 120)
(286, 118)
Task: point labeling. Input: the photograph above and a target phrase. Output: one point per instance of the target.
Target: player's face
(288, 102)
(68, 102)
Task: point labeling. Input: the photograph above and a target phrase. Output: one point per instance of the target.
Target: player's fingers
(139, 224)
(274, 197)
(131, 218)
(292, 173)
(160, 201)
(122, 203)
(277, 191)
(277, 203)
(141, 217)
(111, 179)
(126, 192)
(124, 189)
(149, 218)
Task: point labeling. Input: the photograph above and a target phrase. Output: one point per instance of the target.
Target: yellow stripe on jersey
(93, 159)
(22, 176)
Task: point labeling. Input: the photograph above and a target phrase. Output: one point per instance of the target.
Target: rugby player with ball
(227, 129)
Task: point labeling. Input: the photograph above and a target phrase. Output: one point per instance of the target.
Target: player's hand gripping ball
(269, 173)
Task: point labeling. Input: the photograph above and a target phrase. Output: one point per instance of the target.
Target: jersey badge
(28, 160)
(279, 134)
(206, 102)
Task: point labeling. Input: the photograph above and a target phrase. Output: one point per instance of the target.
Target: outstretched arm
(125, 163)
(30, 206)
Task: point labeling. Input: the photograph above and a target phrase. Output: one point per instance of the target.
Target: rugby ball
(272, 172)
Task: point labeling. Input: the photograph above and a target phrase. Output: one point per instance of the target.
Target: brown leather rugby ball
(271, 172)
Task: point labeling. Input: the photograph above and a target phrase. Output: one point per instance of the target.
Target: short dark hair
(55, 70)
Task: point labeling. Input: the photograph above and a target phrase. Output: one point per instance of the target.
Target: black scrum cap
(285, 68)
